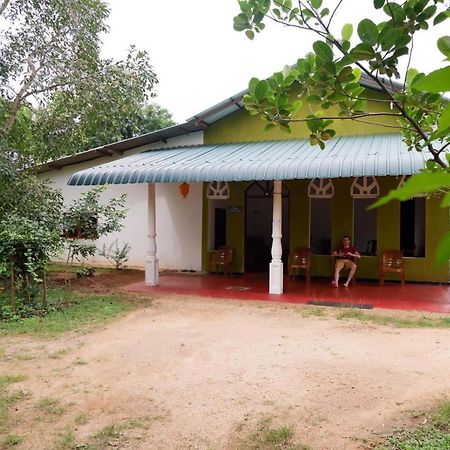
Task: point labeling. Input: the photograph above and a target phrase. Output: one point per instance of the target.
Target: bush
(85, 271)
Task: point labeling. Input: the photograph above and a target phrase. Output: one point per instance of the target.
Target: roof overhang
(345, 156)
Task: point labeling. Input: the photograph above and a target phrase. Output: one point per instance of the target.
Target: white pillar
(151, 261)
(276, 266)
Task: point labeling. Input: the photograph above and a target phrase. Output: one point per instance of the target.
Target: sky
(200, 60)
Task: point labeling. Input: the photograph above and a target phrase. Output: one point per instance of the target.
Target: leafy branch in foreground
(327, 81)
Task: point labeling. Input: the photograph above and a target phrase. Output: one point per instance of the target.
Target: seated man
(345, 257)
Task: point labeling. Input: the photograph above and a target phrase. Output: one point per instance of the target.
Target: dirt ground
(191, 373)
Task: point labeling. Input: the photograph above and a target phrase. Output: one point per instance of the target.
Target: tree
(153, 117)
(51, 72)
(328, 80)
(30, 230)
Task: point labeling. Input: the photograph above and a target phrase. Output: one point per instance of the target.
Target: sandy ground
(201, 373)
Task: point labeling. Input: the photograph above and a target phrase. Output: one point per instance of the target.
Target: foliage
(116, 254)
(88, 218)
(85, 271)
(434, 435)
(328, 80)
(152, 117)
(30, 228)
(83, 310)
(57, 95)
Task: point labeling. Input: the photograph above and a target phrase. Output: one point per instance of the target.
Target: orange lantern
(184, 189)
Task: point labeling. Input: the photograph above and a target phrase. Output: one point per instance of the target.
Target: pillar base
(151, 271)
(276, 277)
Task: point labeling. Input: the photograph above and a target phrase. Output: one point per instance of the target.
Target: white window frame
(218, 190)
(369, 189)
(321, 188)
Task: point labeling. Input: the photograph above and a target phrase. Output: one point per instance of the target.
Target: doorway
(217, 234)
(258, 225)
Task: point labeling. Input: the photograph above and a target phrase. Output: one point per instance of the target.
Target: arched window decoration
(321, 188)
(218, 190)
(365, 187)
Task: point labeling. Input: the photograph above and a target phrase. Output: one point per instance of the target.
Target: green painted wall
(241, 127)
(388, 229)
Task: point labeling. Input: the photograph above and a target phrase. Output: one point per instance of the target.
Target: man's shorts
(344, 263)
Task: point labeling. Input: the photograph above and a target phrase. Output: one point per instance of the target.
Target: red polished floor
(412, 296)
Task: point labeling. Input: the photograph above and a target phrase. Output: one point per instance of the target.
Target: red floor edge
(412, 296)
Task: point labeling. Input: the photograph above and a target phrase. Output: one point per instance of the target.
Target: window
(412, 227)
(218, 190)
(364, 227)
(321, 187)
(365, 187)
(320, 226)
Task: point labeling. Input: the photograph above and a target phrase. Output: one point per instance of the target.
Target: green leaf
(323, 50)
(411, 74)
(444, 120)
(261, 90)
(421, 183)
(252, 85)
(316, 3)
(324, 12)
(362, 51)
(436, 81)
(395, 11)
(269, 126)
(441, 17)
(347, 31)
(313, 99)
(443, 44)
(250, 34)
(389, 36)
(443, 250)
(378, 3)
(368, 31)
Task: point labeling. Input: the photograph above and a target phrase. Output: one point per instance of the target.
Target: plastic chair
(300, 260)
(392, 262)
(221, 258)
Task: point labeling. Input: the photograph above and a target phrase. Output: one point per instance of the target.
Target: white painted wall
(178, 220)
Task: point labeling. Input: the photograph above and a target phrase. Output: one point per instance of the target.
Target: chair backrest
(392, 259)
(225, 254)
(301, 257)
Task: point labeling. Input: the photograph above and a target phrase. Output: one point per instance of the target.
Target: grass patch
(84, 310)
(435, 435)
(81, 418)
(66, 441)
(60, 268)
(397, 322)
(267, 437)
(10, 441)
(59, 353)
(7, 400)
(311, 311)
(51, 406)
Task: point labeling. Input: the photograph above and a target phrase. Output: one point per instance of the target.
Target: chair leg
(402, 277)
(381, 277)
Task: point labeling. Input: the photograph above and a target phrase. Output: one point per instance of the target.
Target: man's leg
(337, 268)
(352, 271)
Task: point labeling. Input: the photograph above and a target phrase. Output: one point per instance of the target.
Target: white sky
(200, 60)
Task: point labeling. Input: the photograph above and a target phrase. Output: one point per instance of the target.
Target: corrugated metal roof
(345, 156)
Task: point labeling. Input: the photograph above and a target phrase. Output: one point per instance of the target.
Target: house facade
(263, 193)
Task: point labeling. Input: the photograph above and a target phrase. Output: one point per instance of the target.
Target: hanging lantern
(184, 189)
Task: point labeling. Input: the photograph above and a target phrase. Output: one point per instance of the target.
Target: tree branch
(3, 6)
(356, 116)
(334, 12)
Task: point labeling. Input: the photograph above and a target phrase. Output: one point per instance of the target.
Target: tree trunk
(12, 293)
